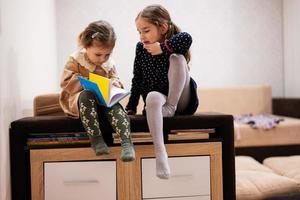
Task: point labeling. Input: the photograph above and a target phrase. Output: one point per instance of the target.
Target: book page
(111, 94)
(116, 94)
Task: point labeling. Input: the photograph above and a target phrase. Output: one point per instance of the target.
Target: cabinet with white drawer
(76, 173)
(190, 177)
(79, 180)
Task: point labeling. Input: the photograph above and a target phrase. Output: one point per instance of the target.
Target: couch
(284, 139)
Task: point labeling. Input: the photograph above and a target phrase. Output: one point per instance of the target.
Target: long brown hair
(99, 33)
(158, 15)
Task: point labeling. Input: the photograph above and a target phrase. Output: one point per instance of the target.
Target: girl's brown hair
(97, 33)
(158, 15)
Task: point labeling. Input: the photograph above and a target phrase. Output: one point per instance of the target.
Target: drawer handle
(75, 182)
(181, 175)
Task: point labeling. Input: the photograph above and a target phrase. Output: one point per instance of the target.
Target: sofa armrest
(289, 107)
(47, 104)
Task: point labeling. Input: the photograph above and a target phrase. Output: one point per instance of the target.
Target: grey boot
(127, 152)
(99, 145)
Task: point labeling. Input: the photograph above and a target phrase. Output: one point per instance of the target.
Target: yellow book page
(103, 84)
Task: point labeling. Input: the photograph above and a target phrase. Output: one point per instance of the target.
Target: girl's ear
(164, 28)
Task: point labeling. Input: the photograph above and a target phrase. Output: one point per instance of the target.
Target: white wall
(257, 47)
(27, 66)
(28, 50)
(236, 42)
(292, 47)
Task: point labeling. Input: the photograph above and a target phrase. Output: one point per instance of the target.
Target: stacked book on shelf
(80, 139)
(190, 134)
(57, 139)
(176, 135)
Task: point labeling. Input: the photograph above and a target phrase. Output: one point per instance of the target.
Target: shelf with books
(176, 135)
(72, 139)
(42, 140)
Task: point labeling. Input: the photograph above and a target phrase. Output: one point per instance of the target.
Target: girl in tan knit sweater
(96, 45)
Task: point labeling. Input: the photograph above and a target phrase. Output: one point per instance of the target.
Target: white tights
(158, 106)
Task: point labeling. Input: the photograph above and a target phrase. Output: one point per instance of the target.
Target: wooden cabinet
(76, 173)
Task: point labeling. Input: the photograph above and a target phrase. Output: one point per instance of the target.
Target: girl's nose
(102, 59)
(142, 37)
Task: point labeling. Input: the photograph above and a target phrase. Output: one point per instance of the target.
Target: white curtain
(28, 67)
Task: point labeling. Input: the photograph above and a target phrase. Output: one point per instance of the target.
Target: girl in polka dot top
(161, 76)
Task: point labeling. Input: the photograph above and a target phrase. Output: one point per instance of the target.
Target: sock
(162, 165)
(154, 104)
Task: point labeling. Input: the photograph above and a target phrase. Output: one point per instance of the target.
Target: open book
(107, 93)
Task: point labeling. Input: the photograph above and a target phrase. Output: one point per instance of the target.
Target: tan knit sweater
(70, 85)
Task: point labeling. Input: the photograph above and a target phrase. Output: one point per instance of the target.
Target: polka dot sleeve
(179, 43)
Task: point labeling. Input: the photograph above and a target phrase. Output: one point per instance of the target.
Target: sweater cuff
(165, 47)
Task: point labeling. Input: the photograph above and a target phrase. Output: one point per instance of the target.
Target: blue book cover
(108, 94)
(89, 85)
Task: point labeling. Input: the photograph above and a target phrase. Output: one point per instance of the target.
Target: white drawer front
(186, 198)
(80, 180)
(190, 176)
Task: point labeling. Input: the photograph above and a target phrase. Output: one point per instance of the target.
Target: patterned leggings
(91, 112)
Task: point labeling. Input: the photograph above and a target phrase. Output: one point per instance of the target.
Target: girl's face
(149, 33)
(98, 54)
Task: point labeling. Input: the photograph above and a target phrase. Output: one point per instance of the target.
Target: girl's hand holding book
(117, 83)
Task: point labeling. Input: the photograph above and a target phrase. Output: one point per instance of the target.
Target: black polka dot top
(150, 73)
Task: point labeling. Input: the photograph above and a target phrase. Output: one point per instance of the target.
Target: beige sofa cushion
(286, 132)
(47, 104)
(255, 181)
(288, 166)
(251, 184)
(249, 163)
(232, 100)
(236, 100)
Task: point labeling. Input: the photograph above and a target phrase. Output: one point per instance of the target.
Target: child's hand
(154, 48)
(117, 83)
(130, 112)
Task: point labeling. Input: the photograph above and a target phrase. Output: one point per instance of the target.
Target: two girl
(161, 76)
